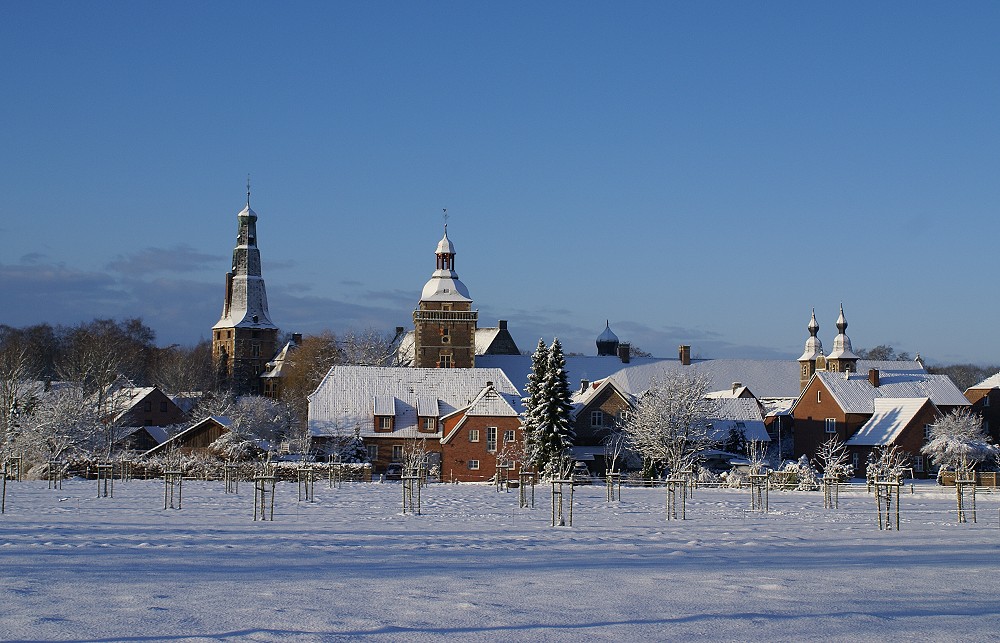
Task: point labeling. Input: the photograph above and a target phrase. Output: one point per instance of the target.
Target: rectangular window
(474, 465)
(163, 406)
(986, 400)
(855, 461)
(491, 438)
(473, 435)
(918, 463)
(397, 453)
(596, 418)
(819, 397)
(147, 406)
(445, 361)
(429, 425)
(383, 423)
(372, 452)
(255, 350)
(927, 432)
(508, 435)
(831, 425)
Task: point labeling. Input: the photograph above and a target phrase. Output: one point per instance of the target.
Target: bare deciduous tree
(669, 425)
(832, 457)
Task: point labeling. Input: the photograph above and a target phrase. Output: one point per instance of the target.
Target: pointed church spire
(842, 358)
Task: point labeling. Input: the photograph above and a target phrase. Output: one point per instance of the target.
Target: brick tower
(444, 323)
(244, 338)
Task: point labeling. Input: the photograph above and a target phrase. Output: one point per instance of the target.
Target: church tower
(842, 358)
(813, 351)
(444, 323)
(244, 338)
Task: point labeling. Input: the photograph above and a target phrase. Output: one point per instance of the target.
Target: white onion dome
(814, 347)
(842, 348)
(444, 284)
(445, 246)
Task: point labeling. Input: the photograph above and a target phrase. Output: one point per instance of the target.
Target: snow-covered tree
(17, 388)
(958, 441)
(533, 403)
(554, 433)
(887, 463)
(354, 450)
(832, 458)
(669, 426)
(62, 423)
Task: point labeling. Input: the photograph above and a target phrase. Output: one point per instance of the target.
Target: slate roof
(739, 414)
(767, 378)
(892, 415)
(993, 381)
(855, 394)
(344, 400)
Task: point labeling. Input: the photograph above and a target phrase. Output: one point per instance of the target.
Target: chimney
(297, 339)
(584, 383)
(684, 354)
(625, 352)
(873, 377)
(503, 324)
(737, 386)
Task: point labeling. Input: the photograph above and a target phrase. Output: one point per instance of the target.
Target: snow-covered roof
(607, 335)
(444, 285)
(276, 367)
(485, 337)
(736, 390)
(993, 381)
(741, 414)
(892, 415)
(179, 437)
(344, 400)
(855, 393)
(767, 378)
(123, 400)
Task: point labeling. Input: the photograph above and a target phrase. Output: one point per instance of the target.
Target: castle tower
(244, 338)
(444, 323)
(842, 358)
(813, 350)
(607, 342)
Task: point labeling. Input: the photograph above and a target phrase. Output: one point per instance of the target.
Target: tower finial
(445, 211)
(248, 190)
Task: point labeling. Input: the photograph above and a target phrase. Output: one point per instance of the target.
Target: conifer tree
(533, 402)
(554, 431)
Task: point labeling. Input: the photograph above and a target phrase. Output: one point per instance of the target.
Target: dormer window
(428, 424)
(384, 423)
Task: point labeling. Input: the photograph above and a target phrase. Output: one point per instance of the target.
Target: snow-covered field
(474, 566)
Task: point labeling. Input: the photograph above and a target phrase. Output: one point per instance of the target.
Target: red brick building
(395, 410)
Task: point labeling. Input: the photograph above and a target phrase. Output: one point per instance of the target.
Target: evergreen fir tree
(554, 434)
(533, 403)
(557, 431)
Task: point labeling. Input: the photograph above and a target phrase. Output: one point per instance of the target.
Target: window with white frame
(918, 463)
(927, 432)
(445, 361)
(473, 435)
(397, 453)
(474, 465)
(491, 438)
(508, 435)
(372, 452)
(384, 423)
(597, 418)
(819, 397)
(831, 425)
(855, 460)
(429, 424)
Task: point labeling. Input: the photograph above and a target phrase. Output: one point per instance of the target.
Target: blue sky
(700, 173)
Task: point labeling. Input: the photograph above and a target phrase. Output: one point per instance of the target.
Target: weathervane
(445, 210)
(248, 190)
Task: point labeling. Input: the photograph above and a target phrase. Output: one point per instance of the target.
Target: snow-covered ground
(476, 567)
